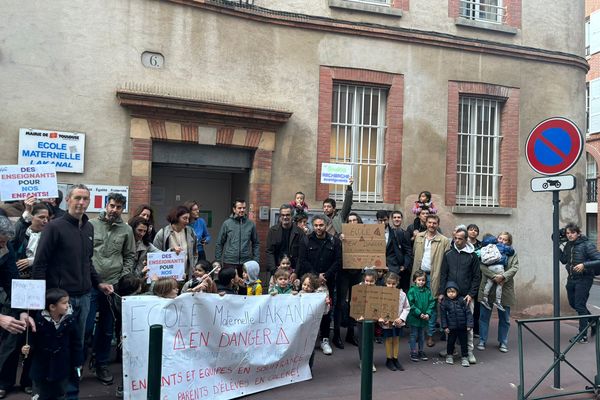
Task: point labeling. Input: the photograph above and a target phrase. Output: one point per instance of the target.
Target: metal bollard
(366, 372)
(154, 362)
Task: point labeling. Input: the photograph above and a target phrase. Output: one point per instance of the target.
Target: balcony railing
(592, 190)
(480, 10)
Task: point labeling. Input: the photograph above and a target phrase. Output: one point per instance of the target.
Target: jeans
(417, 338)
(103, 333)
(81, 309)
(433, 316)
(578, 292)
(344, 281)
(503, 324)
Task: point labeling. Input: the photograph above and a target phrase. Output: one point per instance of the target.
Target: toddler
(250, 277)
(285, 264)
(298, 203)
(310, 284)
(167, 288)
(421, 306)
(424, 202)
(282, 283)
(456, 320)
(391, 328)
(494, 254)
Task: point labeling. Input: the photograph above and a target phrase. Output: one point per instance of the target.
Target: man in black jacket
(321, 254)
(283, 239)
(461, 265)
(398, 250)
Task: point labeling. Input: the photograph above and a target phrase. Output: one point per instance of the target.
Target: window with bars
(478, 161)
(377, 2)
(483, 10)
(357, 138)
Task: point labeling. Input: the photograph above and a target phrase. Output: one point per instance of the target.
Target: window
(587, 36)
(478, 152)
(591, 179)
(357, 137)
(378, 2)
(591, 223)
(483, 10)
(587, 108)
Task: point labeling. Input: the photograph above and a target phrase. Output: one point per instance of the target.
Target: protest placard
(28, 294)
(336, 174)
(364, 246)
(220, 347)
(374, 302)
(166, 265)
(63, 150)
(17, 182)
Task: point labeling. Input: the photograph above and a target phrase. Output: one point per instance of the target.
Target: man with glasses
(283, 239)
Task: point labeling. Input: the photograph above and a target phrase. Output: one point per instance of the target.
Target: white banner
(64, 150)
(17, 182)
(166, 265)
(220, 347)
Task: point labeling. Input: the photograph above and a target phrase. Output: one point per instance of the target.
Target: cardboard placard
(28, 294)
(363, 246)
(166, 265)
(20, 181)
(374, 302)
(336, 174)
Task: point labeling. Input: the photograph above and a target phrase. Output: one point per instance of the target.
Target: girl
(285, 264)
(421, 305)
(167, 288)
(250, 276)
(391, 329)
(369, 278)
(200, 282)
(424, 202)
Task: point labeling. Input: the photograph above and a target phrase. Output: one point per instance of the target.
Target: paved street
(495, 376)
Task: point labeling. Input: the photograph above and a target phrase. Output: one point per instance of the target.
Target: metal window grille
(483, 10)
(357, 138)
(478, 161)
(377, 2)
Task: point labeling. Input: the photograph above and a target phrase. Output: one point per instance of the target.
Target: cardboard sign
(28, 294)
(166, 265)
(336, 174)
(17, 182)
(363, 246)
(220, 347)
(374, 302)
(64, 150)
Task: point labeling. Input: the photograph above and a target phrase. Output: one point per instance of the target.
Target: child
(424, 202)
(286, 264)
(250, 276)
(301, 221)
(391, 329)
(494, 254)
(421, 306)
(457, 320)
(167, 288)
(200, 282)
(310, 284)
(56, 354)
(228, 281)
(298, 203)
(369, 278)
(282, 283)
(380, 281)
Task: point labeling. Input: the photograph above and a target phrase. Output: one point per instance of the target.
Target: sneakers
(397, 364)
(423, 356)
(390, 365)
(414, 357)
(481, 346)
(581, 340)
(484, 302)
(360, 367)
(503, 348)
(449, 360)
(471, 358)
(499, 305)
(326, 347)
(464, 361)
(103, 374)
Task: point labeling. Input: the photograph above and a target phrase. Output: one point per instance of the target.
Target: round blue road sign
(554, 146)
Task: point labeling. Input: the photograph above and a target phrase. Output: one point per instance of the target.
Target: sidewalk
(495, 376)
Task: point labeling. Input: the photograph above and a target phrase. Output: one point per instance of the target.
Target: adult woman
(140, 227)
(580, 257)
(146, 212)
(199, 227)
(27, 235)
(179, 237)
(507, 300)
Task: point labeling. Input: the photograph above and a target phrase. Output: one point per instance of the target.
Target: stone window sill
(365, 7)
(482, 210)
(470, 23)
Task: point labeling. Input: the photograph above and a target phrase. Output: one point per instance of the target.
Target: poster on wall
(64, 150)
(99, 196)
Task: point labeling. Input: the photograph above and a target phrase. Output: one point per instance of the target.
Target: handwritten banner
(28, 294)
(220, 347)
(17, 182)
(336, 174)
(166, 265)
(374, 302)
(363, 246)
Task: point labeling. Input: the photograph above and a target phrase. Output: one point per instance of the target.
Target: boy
(282, 283)
(56, 354)
(457, 320)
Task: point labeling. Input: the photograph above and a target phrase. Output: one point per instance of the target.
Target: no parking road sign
(554, 146)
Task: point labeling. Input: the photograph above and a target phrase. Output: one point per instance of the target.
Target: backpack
(490, 254)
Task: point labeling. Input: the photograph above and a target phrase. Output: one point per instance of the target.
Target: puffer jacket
(581, 251)
(462, 267)
(237, 241)
(455, 314)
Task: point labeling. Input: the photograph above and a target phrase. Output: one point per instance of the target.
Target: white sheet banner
(220, 347)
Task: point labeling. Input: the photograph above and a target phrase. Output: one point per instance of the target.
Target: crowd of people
(448, 286)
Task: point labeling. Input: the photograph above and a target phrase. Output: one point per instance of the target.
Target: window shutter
(594, 32)
(595, 106)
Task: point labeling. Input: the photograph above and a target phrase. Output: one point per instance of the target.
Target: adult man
(429, 249)
(337, 218)
(237, 241)
(397, 250)
(460, 264)
(114, 256)
(406, 247)
(320, 253)
(64, 259)
(283, 239)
